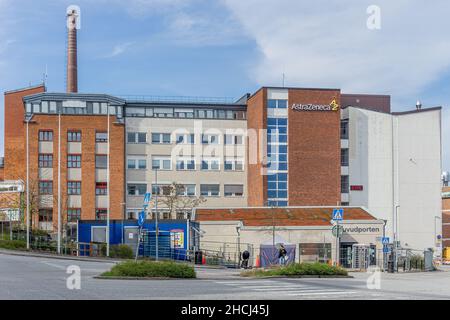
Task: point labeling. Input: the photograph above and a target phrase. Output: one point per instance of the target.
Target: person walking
(282, 255)
(245, 257)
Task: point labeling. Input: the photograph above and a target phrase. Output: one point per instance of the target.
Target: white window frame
(185, 161)
(234, 138)
(136, 163)
(136, 137)
(161, 160)
(233, 164)
(209, 138)
(185, 190)
(233, 195)
(186, 138)
(209, 192)
(209, 161)
(161, 135)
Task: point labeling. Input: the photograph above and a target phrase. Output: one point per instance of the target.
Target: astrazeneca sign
(333, 106)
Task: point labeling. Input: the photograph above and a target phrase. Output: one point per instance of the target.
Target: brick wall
(14, 138)
(88, 125)
(256, 120)
(314, 150)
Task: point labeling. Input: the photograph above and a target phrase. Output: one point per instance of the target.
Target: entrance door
(346, 255)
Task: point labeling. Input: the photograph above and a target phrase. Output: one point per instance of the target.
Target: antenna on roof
(45, 76)
(283, 80)
(418, 105)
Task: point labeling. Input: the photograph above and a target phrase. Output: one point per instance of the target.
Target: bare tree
(174, 199)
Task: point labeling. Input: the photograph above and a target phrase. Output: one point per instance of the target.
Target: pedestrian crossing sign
(338, 214)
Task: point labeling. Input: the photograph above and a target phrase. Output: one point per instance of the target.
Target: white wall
(397, 160)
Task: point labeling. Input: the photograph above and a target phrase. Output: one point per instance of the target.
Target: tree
(174, 200)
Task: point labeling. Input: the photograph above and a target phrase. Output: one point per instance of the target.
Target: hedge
(151, 269)
(298, 269)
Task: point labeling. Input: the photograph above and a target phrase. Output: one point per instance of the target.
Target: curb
(53, 256)
(141, 278)
(305, 276)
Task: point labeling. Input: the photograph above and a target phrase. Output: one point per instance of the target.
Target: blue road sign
(147, 198)
(386, 249)
(338, 214)
(385, 240)
(141, 218)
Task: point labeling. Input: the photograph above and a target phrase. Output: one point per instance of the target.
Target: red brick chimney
(72, 67)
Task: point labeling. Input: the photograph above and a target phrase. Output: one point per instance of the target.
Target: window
(101, 161)
(276, 104)
(186, 163)
(137, 137)
(73, 161)
(161, 189)
(101, 137)
(161, 163)
(45, 160)
(73, 136)
(344, 184)
(345, 203)
(185, 138)
(233, 139)
(161, 138)
(101, 214)
(210, 139)
(234, 164)
(73, 214)
(344, 129)
(344, 157)
(210, 164)
(233, 190)
(45, 215)
(137, 189)
(45, 135)
(186, 190)
(101, 188)
(45, 187)
(74, 187)
(137, 164)
(210, 190)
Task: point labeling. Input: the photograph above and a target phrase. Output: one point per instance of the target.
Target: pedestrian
(282, 255)
(245, 257)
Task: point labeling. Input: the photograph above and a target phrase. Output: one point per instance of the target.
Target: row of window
(73, 214)
(166, 138)
(72, 136)
(206, 190)
(73, 161)
(73, 107)
(186, 163)
(168, 112)
(73, 188)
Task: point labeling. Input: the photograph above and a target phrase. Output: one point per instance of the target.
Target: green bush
(121, 251)
(151, 269)
(13, 244)
(298, 269)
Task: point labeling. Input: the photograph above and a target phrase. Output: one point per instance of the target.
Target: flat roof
(287, 216)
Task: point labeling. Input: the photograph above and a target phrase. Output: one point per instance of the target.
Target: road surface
(24, 277)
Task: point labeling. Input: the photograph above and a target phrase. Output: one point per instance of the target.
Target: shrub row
(13, 244)
(299, 269)
(151, 269)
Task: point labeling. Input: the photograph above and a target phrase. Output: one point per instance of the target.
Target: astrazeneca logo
(333, 106)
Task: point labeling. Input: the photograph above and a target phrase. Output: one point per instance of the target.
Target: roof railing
(178, 99)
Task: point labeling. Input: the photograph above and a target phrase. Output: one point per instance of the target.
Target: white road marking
(321, 293)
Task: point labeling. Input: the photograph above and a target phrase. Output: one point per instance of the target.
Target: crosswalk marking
(290, 289)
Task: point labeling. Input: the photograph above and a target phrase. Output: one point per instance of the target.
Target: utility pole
(156, 216)
(28, 189)
(108, 187)
(59, 181)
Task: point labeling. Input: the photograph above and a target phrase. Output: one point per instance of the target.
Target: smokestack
(72, 66)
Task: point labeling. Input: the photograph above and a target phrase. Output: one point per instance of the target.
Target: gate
(360, 255)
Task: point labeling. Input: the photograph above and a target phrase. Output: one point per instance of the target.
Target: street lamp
(156, 215)
(395, 235)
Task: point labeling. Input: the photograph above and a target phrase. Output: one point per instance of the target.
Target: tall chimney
(72, 67)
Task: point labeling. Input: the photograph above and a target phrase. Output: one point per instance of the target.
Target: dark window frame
(45, 135)
(45, 160)
(74, 188)
(73, 163)
(73, 135)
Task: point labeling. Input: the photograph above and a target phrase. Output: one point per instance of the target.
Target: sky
(226, 48)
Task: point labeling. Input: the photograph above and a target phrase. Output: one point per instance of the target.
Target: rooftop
(289, 216)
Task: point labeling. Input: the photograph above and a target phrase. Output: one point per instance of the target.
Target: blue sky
(226, 48)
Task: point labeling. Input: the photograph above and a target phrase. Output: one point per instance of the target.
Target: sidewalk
(56, 256)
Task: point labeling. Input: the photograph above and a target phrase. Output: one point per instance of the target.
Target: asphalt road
(45, 278)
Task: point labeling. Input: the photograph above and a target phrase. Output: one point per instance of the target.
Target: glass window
(101, 137)
(344, 129)
(73, 214)
(45, 215)
(96, 108)
(345, 184)
(73, 161)
(271, 103)
(344, 157)
(161, 162)
(210, 139)
(45, 135)
(233, 190)
(74, 136)
(45, 160)
(185, 164)
(211, 164)
(101, 161)
(210, 190)
(142, 137)
(131, 164)
(101, 188)
(137, 189)
(45, 187)
(36, 108)
(101, 214)
(44, 106)
(186, 190)
(135, 112)
(74, 187)
(137, 137)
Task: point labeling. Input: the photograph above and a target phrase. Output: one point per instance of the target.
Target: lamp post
(395, 235)
(436, 235)
(156, 216)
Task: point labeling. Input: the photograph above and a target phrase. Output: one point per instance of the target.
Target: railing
(178, 99)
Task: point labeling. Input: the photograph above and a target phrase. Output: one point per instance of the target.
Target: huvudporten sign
(333, 106)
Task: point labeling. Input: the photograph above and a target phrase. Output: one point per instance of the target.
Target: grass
(151, 269)
(298, 269)
(13, 244)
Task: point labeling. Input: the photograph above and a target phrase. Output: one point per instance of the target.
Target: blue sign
(141, 218)
(147, 198)
(385, 240)
(338, 214)
(386, 249)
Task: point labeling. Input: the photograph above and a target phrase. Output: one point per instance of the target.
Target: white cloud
(119, 49)
(327, 43)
